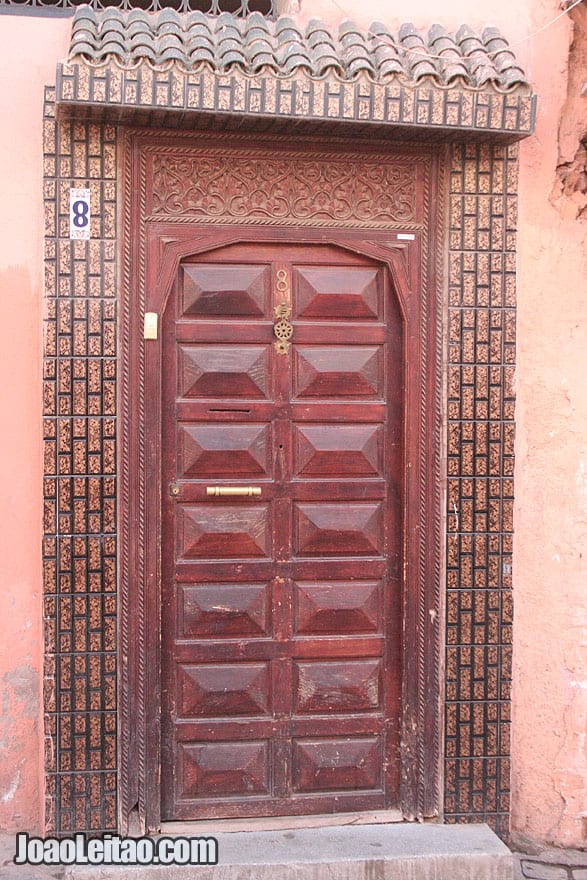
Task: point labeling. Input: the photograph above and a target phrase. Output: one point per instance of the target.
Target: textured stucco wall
(549, 795)
(28, 49)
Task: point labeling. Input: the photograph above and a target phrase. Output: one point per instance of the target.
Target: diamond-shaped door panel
(226, 291)
(219, 531)
(337, 608)
(338, 450)
(338, 292)
(212, 611)
(239, 371)
(349, 529)
(337, 686)
(217, 691)
(337, 371)
(217, 450)
(208, 769)
(337, 764)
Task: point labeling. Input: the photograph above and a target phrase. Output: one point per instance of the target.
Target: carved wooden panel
(338, 450)
(237, 450)
(337, 764)
(344, 607)
(223, 610)
(219, 690)
(227, 531)
(338, 529)
(282, 189)
(321, 371)
(223, 371)
(346, 293)
(224, 769)
(337, 686)
(237, 291)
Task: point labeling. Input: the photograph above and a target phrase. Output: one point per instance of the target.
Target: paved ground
(368, 852)
(545, 863)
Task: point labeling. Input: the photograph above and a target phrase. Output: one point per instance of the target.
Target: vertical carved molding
(436, 669)
(126, 777)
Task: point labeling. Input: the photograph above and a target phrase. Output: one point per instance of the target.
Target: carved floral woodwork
(291, 189)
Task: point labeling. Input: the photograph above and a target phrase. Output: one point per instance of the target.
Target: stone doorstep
(367, 852)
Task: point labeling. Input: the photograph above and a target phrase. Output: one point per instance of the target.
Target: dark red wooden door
(281, 609)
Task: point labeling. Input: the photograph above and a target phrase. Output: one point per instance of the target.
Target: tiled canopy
(255, 44)
(251, 67)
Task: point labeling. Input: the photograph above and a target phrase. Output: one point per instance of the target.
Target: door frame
(416, 266)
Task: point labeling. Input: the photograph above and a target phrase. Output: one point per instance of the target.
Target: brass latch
(233, 490)
(282, 328)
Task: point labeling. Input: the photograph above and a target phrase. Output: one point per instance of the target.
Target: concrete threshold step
(365, 852)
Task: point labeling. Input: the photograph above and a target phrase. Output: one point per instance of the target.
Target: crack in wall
(569, 193)
(571, 184)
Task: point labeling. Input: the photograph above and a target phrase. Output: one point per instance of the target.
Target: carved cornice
(169, 95)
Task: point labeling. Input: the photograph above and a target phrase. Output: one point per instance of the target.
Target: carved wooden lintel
(294, 189)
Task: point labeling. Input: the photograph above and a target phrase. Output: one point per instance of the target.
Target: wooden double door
(282, 533)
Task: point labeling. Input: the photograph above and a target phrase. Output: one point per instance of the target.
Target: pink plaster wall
(28, 50)
(549, 746)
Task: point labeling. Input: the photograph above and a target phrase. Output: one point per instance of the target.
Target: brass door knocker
(282, 328)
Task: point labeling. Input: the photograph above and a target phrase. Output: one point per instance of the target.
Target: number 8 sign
(79, 213)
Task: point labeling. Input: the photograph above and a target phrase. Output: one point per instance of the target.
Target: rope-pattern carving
(268, 221)
(424, 502)
(439, 446)
(140, 562)
(125, 685)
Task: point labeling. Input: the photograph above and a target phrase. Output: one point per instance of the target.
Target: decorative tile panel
(481, 355)
(80, 481)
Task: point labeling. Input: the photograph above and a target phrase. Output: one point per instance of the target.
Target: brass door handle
(233, 490)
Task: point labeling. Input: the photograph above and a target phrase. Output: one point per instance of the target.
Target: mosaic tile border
(480, 463)
(135, 94)
(80, 481)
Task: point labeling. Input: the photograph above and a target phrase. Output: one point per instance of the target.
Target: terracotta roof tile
(249, 44)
